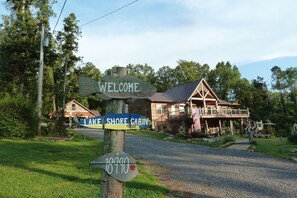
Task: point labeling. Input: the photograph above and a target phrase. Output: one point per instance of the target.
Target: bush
(254, 142)
(182, 135)
(17, 117)
(229, 138)
(293, 138)
(175, 129)
(199, 135)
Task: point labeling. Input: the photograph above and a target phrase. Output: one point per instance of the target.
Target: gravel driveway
(197, 171)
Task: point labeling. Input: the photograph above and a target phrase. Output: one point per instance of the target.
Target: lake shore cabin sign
(124, 87)
(123, 121)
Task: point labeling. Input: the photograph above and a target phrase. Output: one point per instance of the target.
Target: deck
(216, 113)
(225, 113)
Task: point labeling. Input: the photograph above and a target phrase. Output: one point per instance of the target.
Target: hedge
(17, 117)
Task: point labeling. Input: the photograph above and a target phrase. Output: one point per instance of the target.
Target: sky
(161, 32)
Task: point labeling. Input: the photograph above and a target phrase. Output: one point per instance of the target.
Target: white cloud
(237, 31)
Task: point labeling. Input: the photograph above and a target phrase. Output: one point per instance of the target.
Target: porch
(212, 112)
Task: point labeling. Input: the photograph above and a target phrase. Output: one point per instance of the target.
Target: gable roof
(82, 106)
(177, 94)
(182, 93)
(161, 97)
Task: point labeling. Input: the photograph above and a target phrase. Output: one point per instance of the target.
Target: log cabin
(192, 101)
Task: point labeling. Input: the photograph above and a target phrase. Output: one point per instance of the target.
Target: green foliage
(175, 129)
(143, 72)
(199, 135)
(224, 79)
(228, 138)
(17, 117)
(20, 40)
(293, 138)
(165, 79)
(189, 71)
(258, 100)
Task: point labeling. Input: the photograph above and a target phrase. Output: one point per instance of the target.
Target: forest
(20, 61)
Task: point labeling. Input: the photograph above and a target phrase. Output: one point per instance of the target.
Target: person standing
(196, 119)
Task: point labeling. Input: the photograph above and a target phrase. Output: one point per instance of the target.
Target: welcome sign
(116, 87)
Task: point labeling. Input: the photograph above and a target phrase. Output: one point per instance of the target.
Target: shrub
(175, 129)
(293, 138)
(183, 135)
(199, 135)
(17, 117)
(229, 138)
(254, 142)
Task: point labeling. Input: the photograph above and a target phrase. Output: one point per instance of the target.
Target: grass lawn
(275, 147)
(61, 169)
(151, 134)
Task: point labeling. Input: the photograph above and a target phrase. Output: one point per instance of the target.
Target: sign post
(114, 141)
(117, 166)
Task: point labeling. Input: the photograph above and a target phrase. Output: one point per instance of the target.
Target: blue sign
(117, 121)
(94, 122)
(126, 121)
(139, 122)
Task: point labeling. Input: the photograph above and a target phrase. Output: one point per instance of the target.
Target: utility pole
(114, 141)
(40, 81)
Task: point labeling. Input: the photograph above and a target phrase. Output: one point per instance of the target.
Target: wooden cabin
(74, 108)
(195, 100)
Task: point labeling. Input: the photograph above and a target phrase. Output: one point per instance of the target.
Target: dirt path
(196, 171)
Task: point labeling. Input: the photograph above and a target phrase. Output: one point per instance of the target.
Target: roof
(177, 94)
(81, 105)
(184, 92)
(96, 112)
(225, 103)
(161, 97)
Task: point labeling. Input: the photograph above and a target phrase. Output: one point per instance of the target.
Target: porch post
(231, 127)
(241, 126)
(206, 126)
(220, 127)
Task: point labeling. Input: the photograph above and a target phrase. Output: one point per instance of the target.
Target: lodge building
(166, 109)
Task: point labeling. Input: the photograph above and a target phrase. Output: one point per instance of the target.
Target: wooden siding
(79, 110)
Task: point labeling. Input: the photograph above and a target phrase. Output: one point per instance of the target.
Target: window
(161, 109)
(73, 107)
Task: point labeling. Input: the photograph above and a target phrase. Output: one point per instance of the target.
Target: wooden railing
(215, 113)
(224, 113)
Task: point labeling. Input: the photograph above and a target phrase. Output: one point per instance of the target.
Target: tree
(224, 80)
(143, 72)
(280, 84)
(68, 46)
(291, 78)
(260, 106)
(165, 79)
(188, 71)
(244, 93)
(91, 71)
(19, 43)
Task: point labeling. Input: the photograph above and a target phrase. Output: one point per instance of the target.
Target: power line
(109, 13)
(60, 15)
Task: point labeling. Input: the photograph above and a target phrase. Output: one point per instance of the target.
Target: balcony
(224, 113)
(212, 112)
